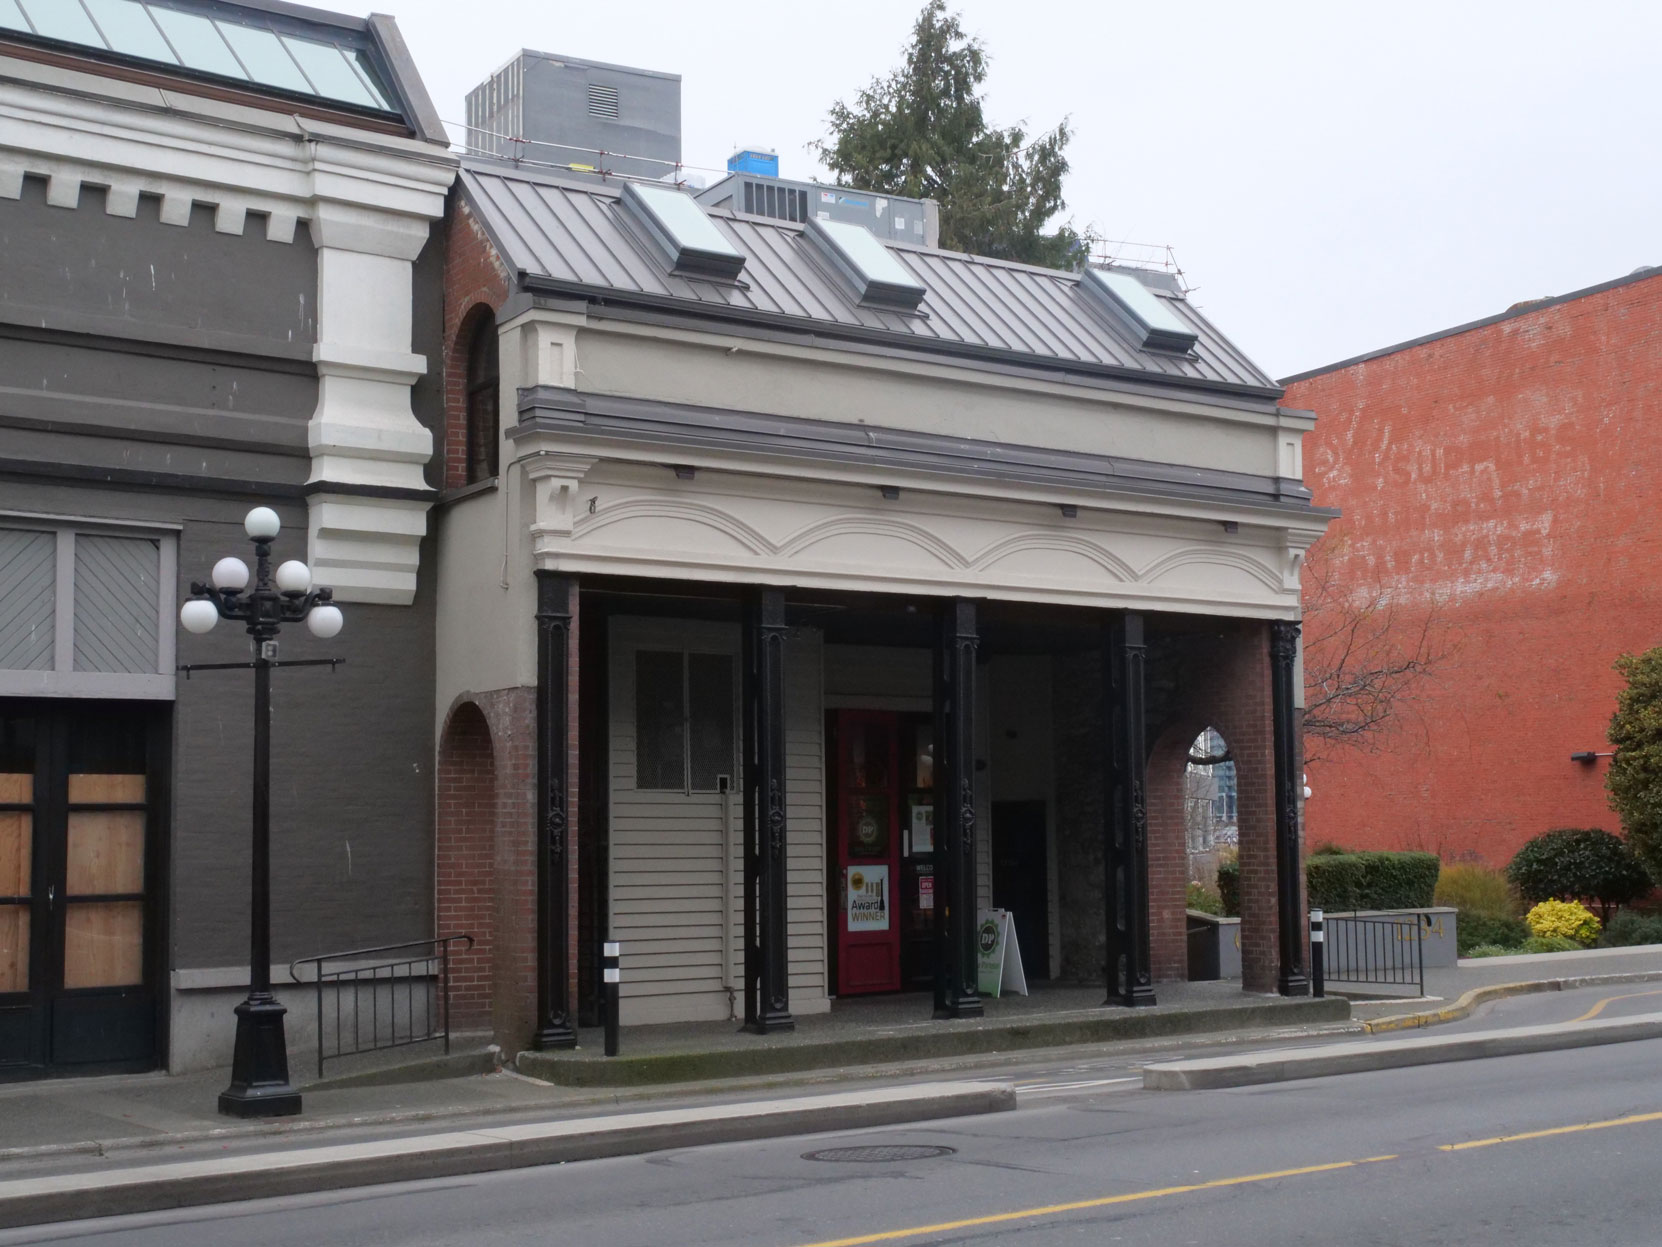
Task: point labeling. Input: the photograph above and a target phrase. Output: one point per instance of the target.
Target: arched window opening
(1209, 795)
(483, 374)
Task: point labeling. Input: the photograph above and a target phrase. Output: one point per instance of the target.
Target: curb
(1467, 1004)
(149, 1188)
(931, 1044)
(1290, 1064)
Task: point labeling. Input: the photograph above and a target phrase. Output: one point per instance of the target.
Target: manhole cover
(879, 1153)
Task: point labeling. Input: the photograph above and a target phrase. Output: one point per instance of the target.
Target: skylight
(1137, 310)
(677, 226)
(877, 277)
(251, 49)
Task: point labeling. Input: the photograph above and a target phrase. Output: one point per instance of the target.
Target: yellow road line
(1051, 1210)
(1599, 1007)
(1634, 1120)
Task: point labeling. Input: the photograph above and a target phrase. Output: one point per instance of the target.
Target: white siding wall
(670, 897)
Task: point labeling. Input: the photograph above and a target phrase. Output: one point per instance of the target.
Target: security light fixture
(1069, 511)
(891, 492)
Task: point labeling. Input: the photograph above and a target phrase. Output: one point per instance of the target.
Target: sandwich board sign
(998, 966)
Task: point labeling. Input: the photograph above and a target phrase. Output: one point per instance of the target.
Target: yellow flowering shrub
(1566, 919)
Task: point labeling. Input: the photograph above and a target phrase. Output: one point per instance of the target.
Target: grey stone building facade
(222, 285)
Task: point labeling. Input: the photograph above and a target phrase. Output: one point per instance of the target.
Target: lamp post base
(260, 1065)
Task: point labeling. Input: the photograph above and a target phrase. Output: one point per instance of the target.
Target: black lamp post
(260, 1067)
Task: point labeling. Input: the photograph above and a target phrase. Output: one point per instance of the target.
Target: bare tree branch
(1367, 656)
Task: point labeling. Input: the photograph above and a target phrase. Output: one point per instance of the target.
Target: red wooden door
(868, 852)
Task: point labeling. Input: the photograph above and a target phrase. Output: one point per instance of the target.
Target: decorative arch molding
(1217, 557)
(911, 533)
(1068, 543)
(684, 510)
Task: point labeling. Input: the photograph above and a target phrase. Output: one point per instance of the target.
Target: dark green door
(80, 801)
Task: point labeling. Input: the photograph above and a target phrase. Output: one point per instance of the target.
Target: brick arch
(455, 393)
(465, 826)
(1229, 690)
(1168, 859)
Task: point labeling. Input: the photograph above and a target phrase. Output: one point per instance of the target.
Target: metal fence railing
(1372, 951)
(385, 997)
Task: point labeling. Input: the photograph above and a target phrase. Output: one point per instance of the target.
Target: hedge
(1579, 864)
(1346, 881)
(1229, 888)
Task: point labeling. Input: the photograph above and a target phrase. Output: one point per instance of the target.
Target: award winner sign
(868, 898)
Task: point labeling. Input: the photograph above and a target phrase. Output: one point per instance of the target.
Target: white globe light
(1307, 792)
(230, 573)
(198, 615)
(325, 621)
(294, 576)
(262, 524)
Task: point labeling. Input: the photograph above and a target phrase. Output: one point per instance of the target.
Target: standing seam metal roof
(573, 234)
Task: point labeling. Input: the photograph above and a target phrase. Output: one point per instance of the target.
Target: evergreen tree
(920, 133)
(1635, 778)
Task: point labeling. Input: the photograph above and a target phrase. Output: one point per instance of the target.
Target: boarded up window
(117, 586)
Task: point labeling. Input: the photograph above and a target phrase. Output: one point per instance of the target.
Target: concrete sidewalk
(1453, 993)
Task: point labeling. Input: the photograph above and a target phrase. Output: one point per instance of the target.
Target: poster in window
(923, 826)
(868, 898)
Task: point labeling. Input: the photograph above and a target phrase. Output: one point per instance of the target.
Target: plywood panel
(16, 789)
(105, 852)
(14, 948)
(104, 944)
(106, 789)
(16, 846)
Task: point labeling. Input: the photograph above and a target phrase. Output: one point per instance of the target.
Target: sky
(1332, 177)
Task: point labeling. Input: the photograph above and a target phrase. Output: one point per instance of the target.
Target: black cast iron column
(957, 958)
(767, 960)
(556, 599)
(1125, 814)
(260, 1060)
(1292, 978)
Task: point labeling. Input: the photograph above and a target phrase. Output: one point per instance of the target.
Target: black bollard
(1318, 942)
(613, 976)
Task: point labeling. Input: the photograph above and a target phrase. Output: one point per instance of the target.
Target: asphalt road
(1424, 1156)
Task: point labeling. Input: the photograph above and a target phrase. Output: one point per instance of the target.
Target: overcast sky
(1333, 177)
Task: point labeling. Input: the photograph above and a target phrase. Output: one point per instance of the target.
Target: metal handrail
(1372, 951)
(378, 975)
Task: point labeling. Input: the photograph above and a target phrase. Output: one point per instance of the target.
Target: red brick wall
(474, 278)
(1227, 686)
(1505, 478)
(465, 867)
(487, 862)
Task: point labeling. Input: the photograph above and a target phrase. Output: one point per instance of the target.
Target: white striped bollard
(613, 976)
(1318, 941)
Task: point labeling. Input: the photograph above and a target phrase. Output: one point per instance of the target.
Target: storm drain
(879, 1153)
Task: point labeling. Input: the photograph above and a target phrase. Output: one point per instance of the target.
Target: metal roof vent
(1134, 308)
(675, 224)
(602, 101)
(878, 279)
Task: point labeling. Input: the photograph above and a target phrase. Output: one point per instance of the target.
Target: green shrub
(1570, 919)
(1490, 950)
(1549, 944)
(1229, 888)
(1579, 864)
(1473, 931)
(1628, 929)
(1327, 849)
(1346, 881)
(1476, 890)
(1204, 899)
